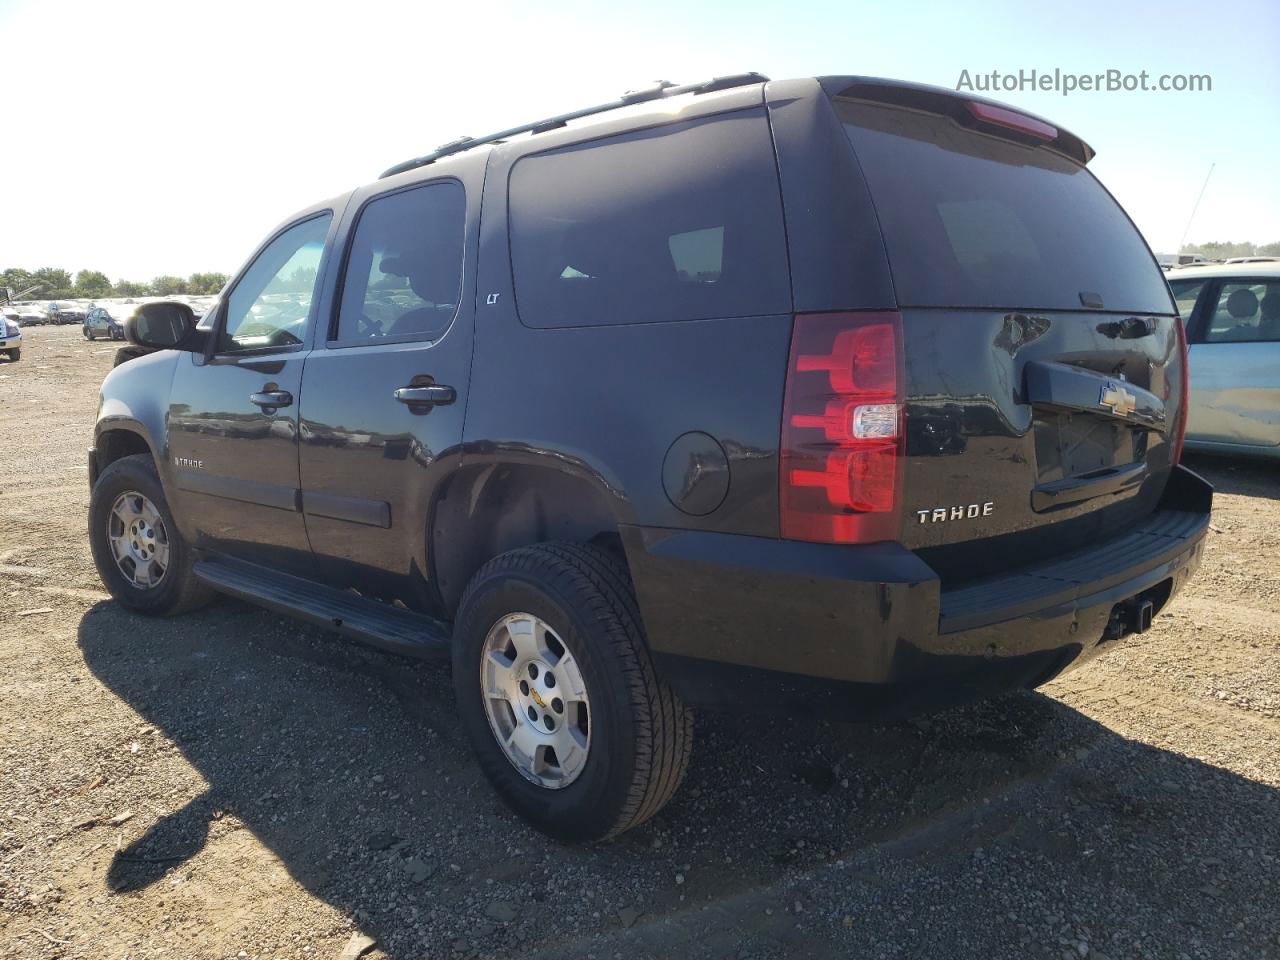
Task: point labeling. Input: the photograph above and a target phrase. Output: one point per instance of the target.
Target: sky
(169, 136)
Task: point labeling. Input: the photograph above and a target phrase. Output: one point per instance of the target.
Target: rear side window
(972, 220)
(682, 222)
(404, 272)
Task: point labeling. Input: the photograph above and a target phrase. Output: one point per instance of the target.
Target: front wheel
(15, 355)
(142, 559)
(88, 334)
(559, 697)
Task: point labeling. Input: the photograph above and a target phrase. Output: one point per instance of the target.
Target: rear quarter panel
(606, 403)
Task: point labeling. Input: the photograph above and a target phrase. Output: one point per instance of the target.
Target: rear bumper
(869, 632)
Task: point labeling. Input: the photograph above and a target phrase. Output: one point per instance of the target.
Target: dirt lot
(234, 785)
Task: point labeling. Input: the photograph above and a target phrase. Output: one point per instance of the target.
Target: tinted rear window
(972, 220)
(682, 222)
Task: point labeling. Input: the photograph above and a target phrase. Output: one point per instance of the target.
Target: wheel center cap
(537, 697)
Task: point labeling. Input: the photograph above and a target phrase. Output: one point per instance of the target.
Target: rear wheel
(15, 354)
(559, 697)
(88, 334)
(142, 559)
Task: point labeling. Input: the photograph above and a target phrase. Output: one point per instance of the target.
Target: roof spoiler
(659, 91)
(977, 113)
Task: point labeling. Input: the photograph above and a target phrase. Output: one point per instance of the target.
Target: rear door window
(973, 220)
(1247, 311)
(403, 276)
(681, 222)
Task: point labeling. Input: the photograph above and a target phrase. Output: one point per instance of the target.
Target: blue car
(106, 322)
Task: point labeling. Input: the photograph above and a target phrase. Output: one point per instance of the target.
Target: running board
(371, 622)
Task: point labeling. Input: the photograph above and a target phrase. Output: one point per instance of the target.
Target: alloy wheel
(139, 540)
(536, 700)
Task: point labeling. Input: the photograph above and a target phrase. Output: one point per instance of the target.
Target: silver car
(1232, 314)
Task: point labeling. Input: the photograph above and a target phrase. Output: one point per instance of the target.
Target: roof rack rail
(660, 90)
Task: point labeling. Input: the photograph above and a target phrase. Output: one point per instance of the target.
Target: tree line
(58, 284)
(1225, 249)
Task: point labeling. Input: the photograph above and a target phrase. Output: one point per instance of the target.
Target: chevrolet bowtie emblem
(1117, 399)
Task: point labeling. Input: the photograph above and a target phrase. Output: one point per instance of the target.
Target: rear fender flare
(491, 506)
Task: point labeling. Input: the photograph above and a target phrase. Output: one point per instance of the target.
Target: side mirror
(164, 325)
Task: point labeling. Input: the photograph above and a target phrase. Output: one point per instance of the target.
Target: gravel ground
(232, 784)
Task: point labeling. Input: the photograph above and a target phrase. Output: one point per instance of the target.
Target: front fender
(135, 398)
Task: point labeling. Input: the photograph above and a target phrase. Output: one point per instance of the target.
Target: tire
(175, 590)
(640, 733)
(88, 334)
(15, 355)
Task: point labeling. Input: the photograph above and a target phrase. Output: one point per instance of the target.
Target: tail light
(1181, 433)
(842, 429)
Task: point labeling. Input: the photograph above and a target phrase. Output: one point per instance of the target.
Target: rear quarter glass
(974, 220)
(677, 222)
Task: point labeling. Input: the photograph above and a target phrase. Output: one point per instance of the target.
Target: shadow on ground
(1245, 476)
(985, 829)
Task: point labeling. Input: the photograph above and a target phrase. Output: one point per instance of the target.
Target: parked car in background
(1232, 313)
(30, 315)
(202, 305)
(107, 322)
(10, 338)
(65, 313)
(1253, 260)
(1171, 261)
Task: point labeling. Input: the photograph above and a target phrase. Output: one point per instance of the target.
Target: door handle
(433, 395)
(271, 398)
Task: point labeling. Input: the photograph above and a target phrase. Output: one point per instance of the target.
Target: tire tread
(189, 594)
(663, 727)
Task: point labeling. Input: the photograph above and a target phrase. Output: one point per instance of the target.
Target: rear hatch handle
(1086, 486)
(1061, 386)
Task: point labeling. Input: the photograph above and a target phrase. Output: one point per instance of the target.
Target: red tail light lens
(842, 429)
(1181, 433)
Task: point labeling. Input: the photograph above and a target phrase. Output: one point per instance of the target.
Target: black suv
(838, 396)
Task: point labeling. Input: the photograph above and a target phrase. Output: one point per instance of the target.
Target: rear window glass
(972, 220)
(682, 222)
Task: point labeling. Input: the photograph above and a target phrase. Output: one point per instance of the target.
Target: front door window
(269, 307)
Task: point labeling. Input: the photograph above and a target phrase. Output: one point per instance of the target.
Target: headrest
(1271, 307)
(1242, 304)
(435, 281)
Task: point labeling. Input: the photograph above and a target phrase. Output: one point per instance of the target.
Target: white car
(1232, 316)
